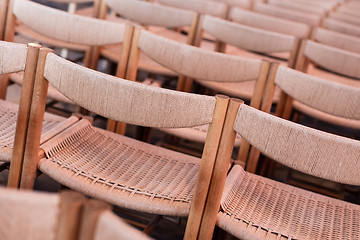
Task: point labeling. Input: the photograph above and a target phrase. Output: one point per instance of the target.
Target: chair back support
(246, 4)
(216, 9)
(340, 26)
(67, 27)
(152, 14)
(298, 6)
(3, 13)
(13, 57)
(307, 150)
(308, 18)
(196, 62)
(334, 59)
(355, 20)
(351, 10)
(72, 1)
(336, 39)
(270, 23)
(248, 38)
(327, 96)
(135, 103)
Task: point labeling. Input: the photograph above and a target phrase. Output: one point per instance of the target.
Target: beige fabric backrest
(299, 6)
(345, 17)
(342, 27)
(12, 57)
(336, 39)
(327, 96)
(247, 37)
(352, 10)
(196, 62)
(325, 4)
(72, 1)
(307, 150)
(201, 6)
(127, 101)
(334, 59)
(152, 14)
(26, 215)
(246, 4)
(308, 18)
(67, 27)
(109, 227)
(270, 23)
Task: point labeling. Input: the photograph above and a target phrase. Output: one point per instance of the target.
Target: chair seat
(197, 134)
(254, 207)
(121, 170)
(8, 115)
(52, 92)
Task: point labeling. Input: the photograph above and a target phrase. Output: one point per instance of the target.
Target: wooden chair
(112, 167)
(254, 207)
(307, 18)
(13, 127)
(156, 17)
(248, 42)
(69, 28)
(340, 26)
(68, 215)
(343, 66)
(270, 23)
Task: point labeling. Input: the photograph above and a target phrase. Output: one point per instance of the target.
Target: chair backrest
(336, 39)
(212, 8)
(246, 4)
(270, 23)
(334, 59)
(192, 62)
(298, 6)
(308, 18)
(150, 14)
(250, 38)
(302, 148)
(349, 9)
(345, 17)
(340, 26)
(135, 103)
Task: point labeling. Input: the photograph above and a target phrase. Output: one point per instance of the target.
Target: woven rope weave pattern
(8, 117)
(248, 38)
(152, 14)
(67, 27)
(12, 57)
(307, 150)
(286, 210)
(120, 166)
(198, 63)
(332, 98)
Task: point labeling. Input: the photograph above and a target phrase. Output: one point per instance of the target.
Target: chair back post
(208, 159)
(302, 62)
(32, 151)
(294, 53)
(221, 168)
(89, 218)
(3, 12)
(10, 23)
(252, 157)
(71, 206)
(121, 70)
(256, 103)
(23, 115)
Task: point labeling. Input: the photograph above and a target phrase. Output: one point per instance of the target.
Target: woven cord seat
(8, 116)
(115, 168)
(254, 207)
